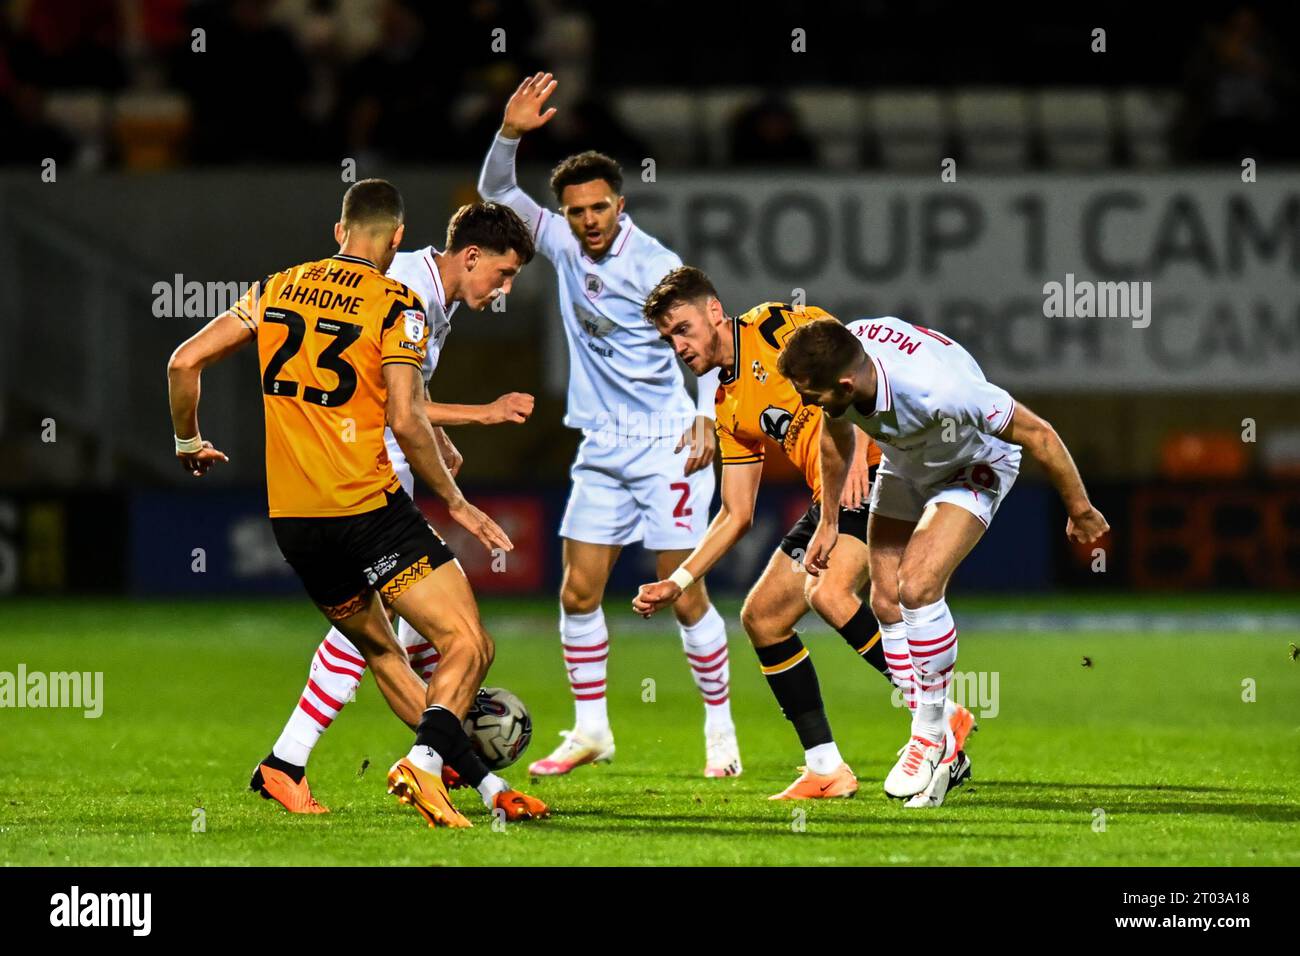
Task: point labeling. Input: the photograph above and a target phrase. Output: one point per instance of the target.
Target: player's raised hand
(524, 108)
(512, 408)
(703, 441)
(818, 556)
(198, 463)
(654, 597)
(480, 525)
(1087, 526)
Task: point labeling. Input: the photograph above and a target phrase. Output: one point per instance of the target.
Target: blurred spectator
(27, 138)
(1240, 94)
(396, 97)
(249, 87)
(66, 44)
(769, 133)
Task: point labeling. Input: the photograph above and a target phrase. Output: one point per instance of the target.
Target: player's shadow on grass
(1152, 787)
(819, 830)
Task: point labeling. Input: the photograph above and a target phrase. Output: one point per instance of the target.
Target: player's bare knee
(919, 590)
(884, 604)
(827, 597)
(692, 605)
(576, 599)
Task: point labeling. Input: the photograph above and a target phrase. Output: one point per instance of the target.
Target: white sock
(332, 681)
(489, 787)
(426, 758)
(899, 659)
(932, 640)
(424, 656)
(586, 651)
(823, 758)
(705, 644)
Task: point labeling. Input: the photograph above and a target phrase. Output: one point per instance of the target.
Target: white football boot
(721, 753)
(948, 776)
(916, 766)
(577, 749)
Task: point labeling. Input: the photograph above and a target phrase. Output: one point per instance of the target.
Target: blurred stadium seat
(664, 118)
(834, 118)
(1076, 128)
(910, 129)
(993, 128)
(1146, 117)
(1196, 455)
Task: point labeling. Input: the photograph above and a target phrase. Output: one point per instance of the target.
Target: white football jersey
(419, 273)
(622, 377)
(935, 411)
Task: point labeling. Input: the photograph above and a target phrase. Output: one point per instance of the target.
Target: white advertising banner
(1121, 282)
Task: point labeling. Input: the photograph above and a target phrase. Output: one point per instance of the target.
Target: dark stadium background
(773, 169)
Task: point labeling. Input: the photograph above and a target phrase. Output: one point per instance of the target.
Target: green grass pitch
(1155, 735)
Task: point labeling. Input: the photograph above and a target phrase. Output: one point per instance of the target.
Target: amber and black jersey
(755, 401)
(325, 329)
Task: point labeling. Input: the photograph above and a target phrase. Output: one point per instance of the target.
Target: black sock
(790, 673)
(442, 730)
(291, 770)
(862, 633)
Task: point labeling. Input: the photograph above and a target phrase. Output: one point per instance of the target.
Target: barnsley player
(341, 346)
(632, 479)
(951, 445)
(753, 401)
(475, 268)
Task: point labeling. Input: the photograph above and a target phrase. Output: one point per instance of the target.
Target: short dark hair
(491, 226)
(583, 168)
(819, 353)
(373, 202)
(683, 284)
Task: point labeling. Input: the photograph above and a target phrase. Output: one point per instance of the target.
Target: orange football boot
(817, 786)
(277, 785)
(962, 724)
(520, 806)
(426, 793)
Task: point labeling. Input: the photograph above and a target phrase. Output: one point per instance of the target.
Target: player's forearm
(420, 446)
(838, 445)
(1046, 448)
(183, 396)
(726, 528)
(442, 414)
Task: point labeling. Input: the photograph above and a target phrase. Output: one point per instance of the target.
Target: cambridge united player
(951, 445)
(476, 267)
(341, 347)
(754, 401)
(632, 480)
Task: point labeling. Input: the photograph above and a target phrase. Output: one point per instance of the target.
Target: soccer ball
(498, 726)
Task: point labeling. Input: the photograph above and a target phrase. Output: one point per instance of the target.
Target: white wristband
(189, 446)
(682, 578)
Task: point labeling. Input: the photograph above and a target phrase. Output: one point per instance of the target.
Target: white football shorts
(624, 492)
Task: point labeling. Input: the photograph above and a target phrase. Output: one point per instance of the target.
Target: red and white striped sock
(893, 637)
(423, 655)
(332, 681)
(932, 640)
(705, 644)
(586, 650)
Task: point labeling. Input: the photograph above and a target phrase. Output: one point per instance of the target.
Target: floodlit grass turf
(1154, 734)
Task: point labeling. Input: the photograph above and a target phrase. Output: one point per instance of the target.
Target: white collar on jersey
(884, 393)
(625, 227)
(432, 266)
